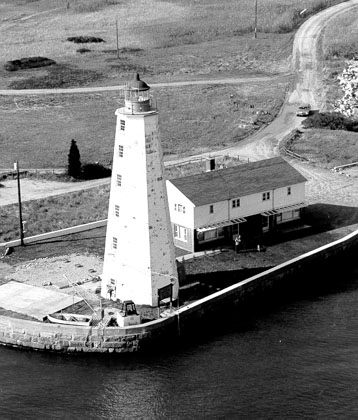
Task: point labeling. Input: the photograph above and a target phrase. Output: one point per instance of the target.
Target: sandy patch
(33, 189)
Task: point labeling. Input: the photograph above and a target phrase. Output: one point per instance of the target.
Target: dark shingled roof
(238, 181)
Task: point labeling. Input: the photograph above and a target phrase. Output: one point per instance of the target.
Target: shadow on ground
(206, 283)
(323, 217)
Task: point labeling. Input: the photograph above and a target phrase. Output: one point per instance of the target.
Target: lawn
(37, 130)
(72, 209)
(326, 148)
(92, 242)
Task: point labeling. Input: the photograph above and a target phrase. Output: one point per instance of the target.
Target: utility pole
(255, 26)
(16, 167)
(117, 38)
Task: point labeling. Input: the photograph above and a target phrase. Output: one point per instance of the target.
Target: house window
(185, 235)
(288, 190)
(181, 233)
(180, 208)
(265, 196)
(211, 208)
(210, 235)
(123, 125)
(220, 232)
(116, 210)
(120, 150)
(286, 216)
(236, 203)
(115, 242)
(119, 180)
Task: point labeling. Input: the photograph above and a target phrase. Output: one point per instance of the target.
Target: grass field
(326, 148)
(73, 209)
(199, 37)
(37, 130)
(339, 44)
(175, 39)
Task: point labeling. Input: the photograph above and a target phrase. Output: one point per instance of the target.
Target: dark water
(294, 359)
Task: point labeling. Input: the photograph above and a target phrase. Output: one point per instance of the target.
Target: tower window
(119, 180)
(288, 190)
(116, 210)
(123, 125)
(120, 150)
(211, 208)
(115, 242)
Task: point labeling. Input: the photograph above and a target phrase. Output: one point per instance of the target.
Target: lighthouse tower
(139, 255)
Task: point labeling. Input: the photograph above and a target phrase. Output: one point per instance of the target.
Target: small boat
(70, 319)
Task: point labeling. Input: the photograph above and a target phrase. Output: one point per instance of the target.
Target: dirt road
(323, 185)
(222, 81)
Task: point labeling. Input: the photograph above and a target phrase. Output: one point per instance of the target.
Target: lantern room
(136, 95)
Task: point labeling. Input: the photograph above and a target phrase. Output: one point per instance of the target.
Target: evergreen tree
(74, 162)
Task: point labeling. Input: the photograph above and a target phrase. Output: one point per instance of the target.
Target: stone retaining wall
(66, 338)
(56, 337)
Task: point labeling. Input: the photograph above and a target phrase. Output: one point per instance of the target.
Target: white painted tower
(139, 255)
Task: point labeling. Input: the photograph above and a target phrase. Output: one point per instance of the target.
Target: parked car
(303, 110)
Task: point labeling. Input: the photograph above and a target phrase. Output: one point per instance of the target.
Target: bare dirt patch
(60, 272)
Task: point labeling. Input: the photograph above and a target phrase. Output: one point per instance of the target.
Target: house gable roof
(238, 181)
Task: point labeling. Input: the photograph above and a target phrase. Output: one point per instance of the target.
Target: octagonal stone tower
(139, 255)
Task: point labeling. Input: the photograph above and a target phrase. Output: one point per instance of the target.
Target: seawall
(63, 338)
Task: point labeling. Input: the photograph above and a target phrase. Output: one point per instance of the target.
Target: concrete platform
(33, 301)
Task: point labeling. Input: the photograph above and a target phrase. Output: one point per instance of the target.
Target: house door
(265, 223)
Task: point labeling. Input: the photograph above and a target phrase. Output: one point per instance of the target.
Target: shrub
(330, 121)
(58, 76)
(28, 63)
(74, 161)
(342, 50)
(94, 171)
(85, 39)
(83, 50)
(85, 6)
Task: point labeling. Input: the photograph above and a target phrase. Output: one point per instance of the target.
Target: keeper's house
(252, 199)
